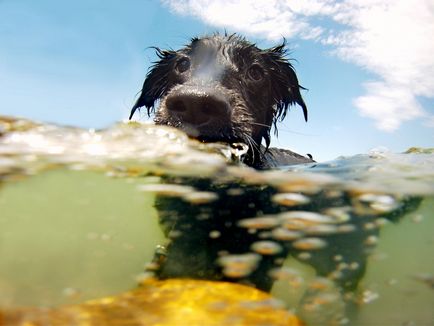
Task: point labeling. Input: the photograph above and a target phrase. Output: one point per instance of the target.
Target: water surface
(78, 221)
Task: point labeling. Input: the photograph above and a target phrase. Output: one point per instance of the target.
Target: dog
(222, 88)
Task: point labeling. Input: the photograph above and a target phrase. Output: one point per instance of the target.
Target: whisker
(260, 124)
(282, 129)
(287, 130)
(251, 144)
(255, 147)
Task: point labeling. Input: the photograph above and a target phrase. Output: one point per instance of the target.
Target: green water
(394, 287)
(67, 236)
(77, 220)
(404, 255)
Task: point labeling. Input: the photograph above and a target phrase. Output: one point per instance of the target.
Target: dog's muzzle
(203, 109)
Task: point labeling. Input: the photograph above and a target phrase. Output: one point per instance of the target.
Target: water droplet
(345, 228)
(342, 266)
(266, 247)
(106, 237)
(340, 214)
(214, 234)
(369, 226)
(200, 197)
(320, 300)
(304, 255)
(238, 266)
(262, 222)
(371, 240)
(368, 296)
(309, 244)
(235, 192)
(417, 218)
(380, 222)
(392, 282)
(71, 292)
(285, 235)
(171, 190)
(320, 229)
(299, 220)
(290, 199)
(287, 274)
(173, 234)
(335, 275)
(379, 203)
(321, 283)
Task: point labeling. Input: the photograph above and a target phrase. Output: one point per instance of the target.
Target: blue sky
(368, 65)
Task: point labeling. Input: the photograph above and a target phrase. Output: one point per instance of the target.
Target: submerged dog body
(224, 88)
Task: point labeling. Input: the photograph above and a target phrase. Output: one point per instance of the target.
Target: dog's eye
(183, 65)
(256, 72)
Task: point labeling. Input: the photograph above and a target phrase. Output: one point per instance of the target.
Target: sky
(368, 65)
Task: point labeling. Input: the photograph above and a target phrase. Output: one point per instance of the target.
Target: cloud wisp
(392, 39)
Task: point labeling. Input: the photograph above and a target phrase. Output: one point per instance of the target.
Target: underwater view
(137, 224)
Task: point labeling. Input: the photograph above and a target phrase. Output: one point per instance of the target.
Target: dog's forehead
(228, 51)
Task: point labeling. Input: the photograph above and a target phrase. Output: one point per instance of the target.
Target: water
(343, 242)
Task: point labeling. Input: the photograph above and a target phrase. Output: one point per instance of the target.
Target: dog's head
(222, 88)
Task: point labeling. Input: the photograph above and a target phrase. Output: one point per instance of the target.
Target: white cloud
(388, 104)
(267, 18)
(390, 38)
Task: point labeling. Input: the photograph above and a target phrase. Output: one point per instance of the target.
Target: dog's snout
(198, 107)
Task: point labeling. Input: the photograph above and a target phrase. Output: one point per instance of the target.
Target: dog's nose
(198, 108)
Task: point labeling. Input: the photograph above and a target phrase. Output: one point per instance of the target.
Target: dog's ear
(285, 86)
(156, 82)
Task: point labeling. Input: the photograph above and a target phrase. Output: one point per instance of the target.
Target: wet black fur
(256, 105)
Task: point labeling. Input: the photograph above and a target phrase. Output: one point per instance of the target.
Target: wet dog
(224, 88)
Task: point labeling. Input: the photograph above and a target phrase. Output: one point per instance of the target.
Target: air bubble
(215, 234)
(345, 228)
(262, 222)
(238, 266)
(287, 274)
(321, 229)
(171, 190)
(266, 247)
(304, 255)
(200, 197)
(290, 199)
(320, 283)
(299, 220)
(285, 235)
(371, 240)
(379, 203)
(71, 292)
(309, 244)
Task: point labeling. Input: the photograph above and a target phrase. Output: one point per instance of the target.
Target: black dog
(224, 88)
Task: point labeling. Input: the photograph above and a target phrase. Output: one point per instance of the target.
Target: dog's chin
(246, 145)
(203, 133)
(205, 136)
